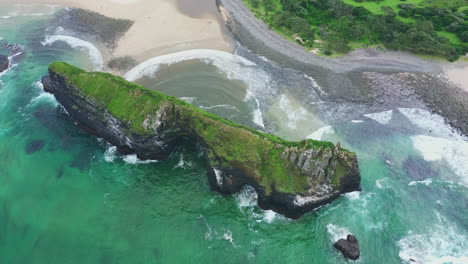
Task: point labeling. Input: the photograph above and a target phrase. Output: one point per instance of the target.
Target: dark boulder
(349, 247)
(4, 63)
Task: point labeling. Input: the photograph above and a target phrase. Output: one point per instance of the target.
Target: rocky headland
(290, 178)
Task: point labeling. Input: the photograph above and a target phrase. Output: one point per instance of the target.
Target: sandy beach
(160, 26)
(457, 73)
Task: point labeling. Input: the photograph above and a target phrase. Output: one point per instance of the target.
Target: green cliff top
(229, 145)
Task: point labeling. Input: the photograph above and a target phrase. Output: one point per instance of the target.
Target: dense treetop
(431, 27)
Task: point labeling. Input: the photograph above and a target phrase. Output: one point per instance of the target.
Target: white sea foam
(12, 64)
(110, 154)
(247, 201)
(43, 97)
(227, 106)
(430, 122)
(257, 113)
(425, 182)
(234, 66)
(219, 176)
(39, 85)
(383, 118)
(315, 84)
(442, 243)
(133, 159)
(357, 121)
(183, 164)
(318, 134)
(294, 115)
(380, 183)
(93, 52)
(454, 152)
(337, 232)
(353, 195)
(188, 99)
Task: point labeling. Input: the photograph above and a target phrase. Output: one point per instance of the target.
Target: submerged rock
(349, 247)
(4, 63)
(34, 146)
(291, 178)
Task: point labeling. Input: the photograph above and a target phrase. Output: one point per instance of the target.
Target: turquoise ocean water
(67, 197)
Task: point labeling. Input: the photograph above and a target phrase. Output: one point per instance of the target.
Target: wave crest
(93, 52)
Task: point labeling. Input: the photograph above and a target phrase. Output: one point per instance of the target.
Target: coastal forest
(333, 27)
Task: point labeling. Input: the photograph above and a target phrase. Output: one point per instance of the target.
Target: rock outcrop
(291, 178)
(4, 63)
(349, 247)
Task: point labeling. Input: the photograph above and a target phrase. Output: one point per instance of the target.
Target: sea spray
(441, 243)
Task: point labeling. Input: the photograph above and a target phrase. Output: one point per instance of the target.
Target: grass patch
(229, 144)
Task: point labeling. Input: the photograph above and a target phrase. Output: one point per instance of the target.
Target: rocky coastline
(4, 63)
(291, 178)
(366, 77)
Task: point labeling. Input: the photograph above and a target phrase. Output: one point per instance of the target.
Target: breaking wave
(111, 154)
(383, 118)
(234, 66)
(337, 232)
(93, 52)
(441, 244)
(247, 201)
(318, 134)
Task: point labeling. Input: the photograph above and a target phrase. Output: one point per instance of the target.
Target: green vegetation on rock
(429, 27)
(258, 155)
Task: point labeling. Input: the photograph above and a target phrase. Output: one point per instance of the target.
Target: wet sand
(160, 26)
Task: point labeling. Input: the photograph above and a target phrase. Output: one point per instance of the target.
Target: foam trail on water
(383, 118)
(294, 115)
(93, 52)
(257, 114)
(431, 122)
(247, 201)
(318, 134)
(454, 152)
(440, 244)
(234, 66)
(337, 232)
(111, 154)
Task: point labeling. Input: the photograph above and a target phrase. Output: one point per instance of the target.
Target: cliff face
(291, 178)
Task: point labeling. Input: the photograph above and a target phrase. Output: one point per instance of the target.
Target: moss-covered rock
(289, 177)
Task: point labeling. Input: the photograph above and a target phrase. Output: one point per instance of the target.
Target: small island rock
(4, 63)
(349, 247)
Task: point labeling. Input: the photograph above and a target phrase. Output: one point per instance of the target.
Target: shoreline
(160, 27)
(372, 78)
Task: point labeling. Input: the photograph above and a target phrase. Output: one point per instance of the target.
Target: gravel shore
(375, 79)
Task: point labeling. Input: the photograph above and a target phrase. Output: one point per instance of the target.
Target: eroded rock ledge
(290, 178)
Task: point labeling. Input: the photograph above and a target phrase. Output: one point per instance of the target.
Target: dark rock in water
(418, 169)
(349, 247)
(90, 24)
(60, 172)
(34, 146)
(4, 63)
(291, 178)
